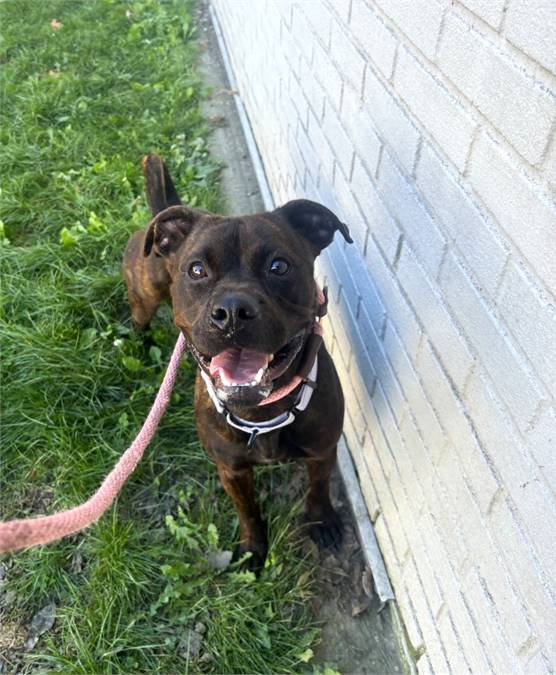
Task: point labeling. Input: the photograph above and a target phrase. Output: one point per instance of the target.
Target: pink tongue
(237, 366)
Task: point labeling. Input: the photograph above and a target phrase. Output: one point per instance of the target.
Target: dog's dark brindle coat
(245, 282)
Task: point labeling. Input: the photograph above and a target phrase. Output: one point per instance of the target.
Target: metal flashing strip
(369, 544)
(256, 160)
(367, 536)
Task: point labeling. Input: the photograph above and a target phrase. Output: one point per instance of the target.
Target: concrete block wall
(429, 127)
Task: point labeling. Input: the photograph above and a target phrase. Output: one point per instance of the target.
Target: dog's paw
(255, 561)
(327, 532)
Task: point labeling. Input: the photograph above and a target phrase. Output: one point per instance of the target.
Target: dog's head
(243, 290)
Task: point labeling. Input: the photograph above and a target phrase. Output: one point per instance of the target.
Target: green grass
(80, 105)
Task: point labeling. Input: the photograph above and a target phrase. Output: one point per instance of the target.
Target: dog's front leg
(325, 525)
(239, 484)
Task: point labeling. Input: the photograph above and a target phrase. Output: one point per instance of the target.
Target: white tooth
(259, 375)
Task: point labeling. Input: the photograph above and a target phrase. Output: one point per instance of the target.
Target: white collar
(254, 429)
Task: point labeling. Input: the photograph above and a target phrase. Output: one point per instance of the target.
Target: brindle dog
(244, 296)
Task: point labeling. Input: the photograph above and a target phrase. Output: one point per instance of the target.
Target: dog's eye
(197, 270)
(279, 266)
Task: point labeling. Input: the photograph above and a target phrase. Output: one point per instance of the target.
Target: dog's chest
(274, 448)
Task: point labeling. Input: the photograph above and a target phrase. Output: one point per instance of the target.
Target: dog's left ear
(169, 228)
(314, 222)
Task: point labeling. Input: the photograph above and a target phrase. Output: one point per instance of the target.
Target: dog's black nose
(232, 310)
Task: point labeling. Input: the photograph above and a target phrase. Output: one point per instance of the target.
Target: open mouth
(235, 370)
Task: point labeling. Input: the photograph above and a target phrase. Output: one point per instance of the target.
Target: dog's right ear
(169, 228)
(159, 187)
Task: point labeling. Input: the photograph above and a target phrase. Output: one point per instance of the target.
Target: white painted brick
(389, 291)
(340, 267)
(362, 374)
(440, 554)
(365, 477)
(538, 665)
(525, 574)
(354, 414)
(328, 76)
(307, 152)
(336, 320)
(514, 383)
(434, 317)
(376, 41)
(494, 576)
(408, 613)
(323, 151)
(341, 7)
(517, 470)
(524, 214)
(430, 429)
(313, 91)
(531, 25)
(370, 299)
(419, 19)
(427, 624)
(359, 127)
(454, 495)
(351, 212)
(461, 220)
(435, 107)
(395, 574)
(457, 655)
(326, 192)
(350, 62)
(389, 428)
(424, 666)
(300, 30)
(522, 306)
(452, 415)
(490, 11)
(404, 204)
(502, 658)
(541, 441)
(381, 366)
(418, 461)
(509, 98)
(338, 139)
(325, 269)
(407, 493)
(390, 120)
(298, 165)
(319, 18)
(375, 451)
(377, 217)
(550, 170)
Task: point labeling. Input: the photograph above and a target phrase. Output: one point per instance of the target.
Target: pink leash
(28, 532)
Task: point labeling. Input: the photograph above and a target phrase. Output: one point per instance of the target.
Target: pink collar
(297, 379)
